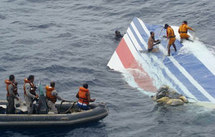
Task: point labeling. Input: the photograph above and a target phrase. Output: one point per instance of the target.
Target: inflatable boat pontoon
(68, 115)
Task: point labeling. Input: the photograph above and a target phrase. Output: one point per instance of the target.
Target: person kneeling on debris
(183, 30)
(152, 42)
(51, 97)
(84, 97)
(167, 96)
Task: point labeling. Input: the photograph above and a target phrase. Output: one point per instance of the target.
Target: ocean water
(71, 42)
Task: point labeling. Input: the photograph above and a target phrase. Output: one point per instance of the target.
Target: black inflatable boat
(69, 114)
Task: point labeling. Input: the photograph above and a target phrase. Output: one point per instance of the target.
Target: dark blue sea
(70, 42)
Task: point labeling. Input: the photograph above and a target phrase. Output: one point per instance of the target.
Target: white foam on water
(154, 68)
(131, 82)
(184, 50)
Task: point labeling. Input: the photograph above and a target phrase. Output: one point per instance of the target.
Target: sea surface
(70, 42)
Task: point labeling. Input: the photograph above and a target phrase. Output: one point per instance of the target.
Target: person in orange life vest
(51, 97)
(11, 87)
(183, 29)
(171, 36)
(152, 42)
(83, 96)
(30, 93)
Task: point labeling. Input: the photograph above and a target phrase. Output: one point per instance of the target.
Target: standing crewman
(171, 36)
(51, 97)
(84, 97)
(183, 29)
(11, 87)
(30, 93)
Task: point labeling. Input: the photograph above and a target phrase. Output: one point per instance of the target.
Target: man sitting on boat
(51, 97)
(30, 93)
(167, 96)
(11, 87)
(84, 97)
(152, 42)
(183, 29)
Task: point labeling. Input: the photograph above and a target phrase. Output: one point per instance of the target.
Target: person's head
(31, 78)
(152, 34)
(52, 84)
(85, 85)
(185, 22)
(11, 77)
(117, 32)
(166, 26)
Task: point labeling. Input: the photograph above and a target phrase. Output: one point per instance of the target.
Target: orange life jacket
(8, 82)
(183, 28)
(49, 95)
(82, 95)
(170, 32)
(33, 89)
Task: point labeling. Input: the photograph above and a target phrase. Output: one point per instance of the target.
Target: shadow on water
(94, 129)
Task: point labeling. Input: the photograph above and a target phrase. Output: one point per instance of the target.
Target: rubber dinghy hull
(190, 70)
(98, 112)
